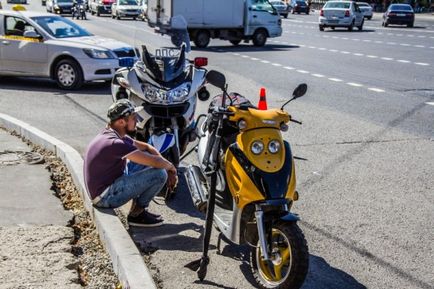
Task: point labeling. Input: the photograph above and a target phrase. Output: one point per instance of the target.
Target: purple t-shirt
(104, 162)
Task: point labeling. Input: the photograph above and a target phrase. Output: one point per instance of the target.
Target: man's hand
(172, 178)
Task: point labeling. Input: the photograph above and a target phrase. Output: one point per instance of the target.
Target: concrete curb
(128, 263)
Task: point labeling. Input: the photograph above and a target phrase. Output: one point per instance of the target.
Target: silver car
(126, 8)
(46, 45)
(341, 14)
(281, 7)
(366, 10)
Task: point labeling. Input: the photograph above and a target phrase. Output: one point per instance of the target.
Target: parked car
(401, 14)
(281, 7)
(46, 45)
(126, 8)
(99, 7)
(300, 7)
(366, 10)
(341, 14)
(59, 6)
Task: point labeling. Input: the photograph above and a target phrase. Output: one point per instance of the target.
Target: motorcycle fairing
(278, 185)
(162, 142)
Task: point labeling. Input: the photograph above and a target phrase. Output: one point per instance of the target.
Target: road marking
(371, 56)
(345, 52)
(276, 64)
(289, 67)
(430, 103)
(335, 79)
(322, 48)
(422, 63)
(379, 42)
(317, 75)
(236, 54)
(404, 44)
(403, 61)
(386, 58)
(420, 46)
(245, 56)
(253, 58)
(391, 43)
(302, 71)
(376, 89)
(358, 54)
(354, 84)
(333, 50)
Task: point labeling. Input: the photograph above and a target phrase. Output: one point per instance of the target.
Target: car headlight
(157, 95)
(96, 53)
(274, 146)
(257, 147)
(56, 7)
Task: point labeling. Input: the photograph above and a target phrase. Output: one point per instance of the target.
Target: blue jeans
(141, 185)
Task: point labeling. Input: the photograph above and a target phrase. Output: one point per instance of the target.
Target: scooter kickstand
(219, 240)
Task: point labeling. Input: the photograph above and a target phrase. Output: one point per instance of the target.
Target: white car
(46, 45)
(366, 10)
(341, 14)
(126, 8)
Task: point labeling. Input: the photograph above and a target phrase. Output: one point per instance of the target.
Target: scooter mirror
(300, 90)
(216, 78)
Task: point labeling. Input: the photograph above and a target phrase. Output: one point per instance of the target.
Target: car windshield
(401, 7)
(301, 3)
(276, 3)
(343, 5)
(63, 1)
(363, 4)
(60, 27)
(127, 2)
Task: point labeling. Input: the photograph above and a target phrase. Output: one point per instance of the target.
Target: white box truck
(233, 20)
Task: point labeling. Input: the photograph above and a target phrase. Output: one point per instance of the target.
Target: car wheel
(410, 24)
(235, 42)
(202, 39)
(369, 17)
(361, 26)
(97, 13)
(259, 38)
(321, 28)
(117, 16)
(113, 17)
(386, 24)
(333, 28)
(286, 15)
(350, 28)
(92, 12)
(134, 18)
(68, 74)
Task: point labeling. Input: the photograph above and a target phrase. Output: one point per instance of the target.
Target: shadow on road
(247, 48)
(45, 85)
(320, 275)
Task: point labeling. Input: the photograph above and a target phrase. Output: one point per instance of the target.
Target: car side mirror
(32, 34)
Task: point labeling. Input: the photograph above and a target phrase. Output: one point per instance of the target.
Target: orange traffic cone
(262, 104)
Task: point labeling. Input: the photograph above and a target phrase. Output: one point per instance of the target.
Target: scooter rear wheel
(289, 261)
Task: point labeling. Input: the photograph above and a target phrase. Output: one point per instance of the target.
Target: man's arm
(148, 159)
(145, 147)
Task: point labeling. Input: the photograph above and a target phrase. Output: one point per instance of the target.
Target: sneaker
(156, 216)
(144, 219)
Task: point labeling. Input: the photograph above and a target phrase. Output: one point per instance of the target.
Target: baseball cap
(122, 108)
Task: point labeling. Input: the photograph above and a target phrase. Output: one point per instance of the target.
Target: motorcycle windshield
(168, 63)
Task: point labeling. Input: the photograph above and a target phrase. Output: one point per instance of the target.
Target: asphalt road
(367, 186)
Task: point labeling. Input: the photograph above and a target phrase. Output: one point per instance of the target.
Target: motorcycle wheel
(289, 259)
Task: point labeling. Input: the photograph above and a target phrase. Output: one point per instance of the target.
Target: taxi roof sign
(18, 8)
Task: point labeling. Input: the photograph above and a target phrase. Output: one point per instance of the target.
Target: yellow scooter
(245, 182)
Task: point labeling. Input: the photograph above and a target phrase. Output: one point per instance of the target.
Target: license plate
(126, 62)
(400, 14)
(333, 21)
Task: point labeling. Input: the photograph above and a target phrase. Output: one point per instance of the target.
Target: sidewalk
(35, 249)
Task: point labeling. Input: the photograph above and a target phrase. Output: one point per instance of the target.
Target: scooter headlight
(257, 147)
(274, 146)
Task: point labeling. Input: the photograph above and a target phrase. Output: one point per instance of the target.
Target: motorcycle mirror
(300, 90)
(216, 78)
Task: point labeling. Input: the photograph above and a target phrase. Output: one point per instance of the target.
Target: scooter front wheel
(289, 259)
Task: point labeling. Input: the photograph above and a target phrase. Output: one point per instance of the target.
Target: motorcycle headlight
(99, 54)
(157, 95)
(274, 146)
(257, 147)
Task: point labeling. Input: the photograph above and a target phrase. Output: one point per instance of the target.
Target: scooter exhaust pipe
(198, 194)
